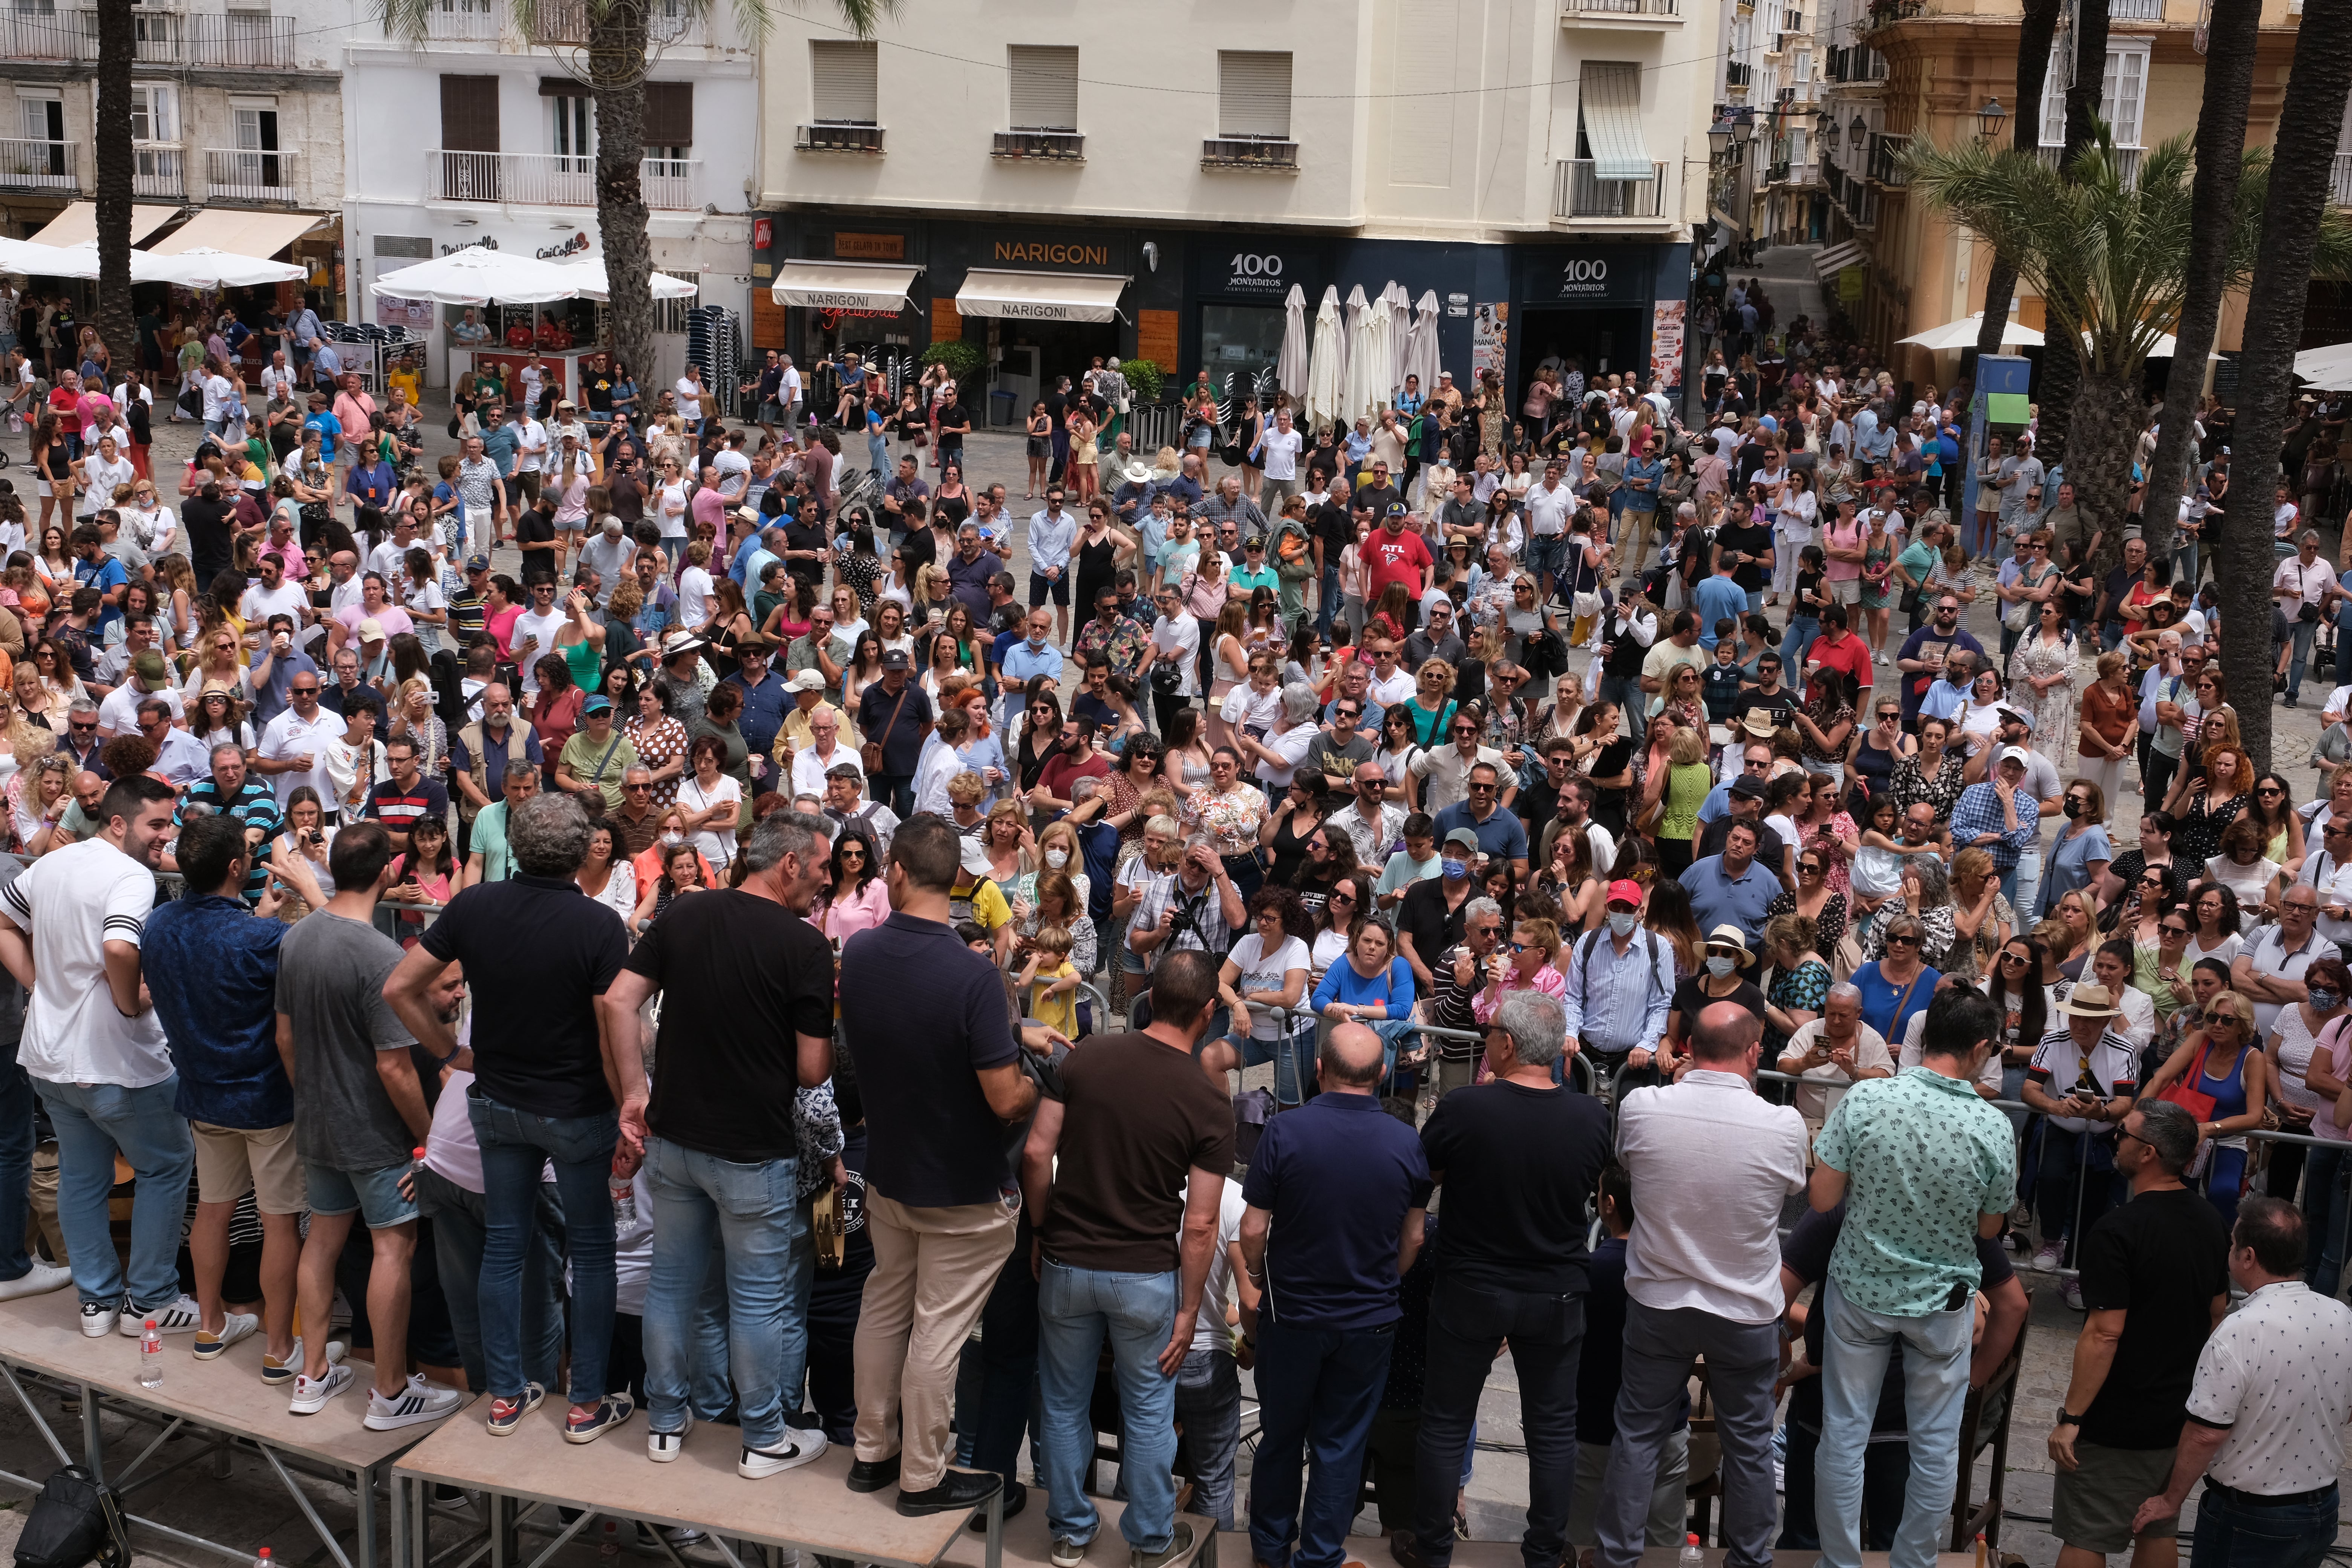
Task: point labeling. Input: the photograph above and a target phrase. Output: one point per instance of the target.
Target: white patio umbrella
(2165, 346)
(1420, 343)
(477, 274)
(1962, 334)
(204, 267)
(1379, 336)
(1290, 364)
(2333, 362)
(1327, 362)
(593, 286)
(1400, 330)
(30, 260)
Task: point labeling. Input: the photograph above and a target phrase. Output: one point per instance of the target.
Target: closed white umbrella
(1355, 388)
(1327, 362)
(1421, 344)
(1380, 319)
(1399, 329)
(476, 276)
(1290, 365)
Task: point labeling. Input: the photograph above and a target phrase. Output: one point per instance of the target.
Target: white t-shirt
(734, 468)
(690, 397)
(710, 840)
(1261, 970)
(531, 445)
(694, 590)
(540, 630)
(275, 383)
(791, 386)
(671, 511)
(1209, 1330)
(1281, 454)
(72, 902)
(218, 395)
(287, 736)
(259, 603)
(425, 595)
(103, 477)
(119, 714)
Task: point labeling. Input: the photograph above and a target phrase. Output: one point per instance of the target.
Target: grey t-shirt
(330, 976)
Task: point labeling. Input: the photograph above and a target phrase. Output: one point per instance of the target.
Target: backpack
(74, 1520)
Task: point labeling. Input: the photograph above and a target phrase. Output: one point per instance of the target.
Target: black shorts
(1039, 586)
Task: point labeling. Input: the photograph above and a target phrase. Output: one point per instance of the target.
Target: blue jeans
(1317, 1391)
(1799, 636)
(2231, 1534)
(2300, 633)
(1548, 557)
(460, 1228)
(15, 1166)
(93, 1121)
(2022, 883)
(2323, 1210)
(515, 1144)
(1326, 602)
(1076, 1309)
(1935, 1387)
(1633, 703)
(746, 1218)
(2184, 566)
(1209, 1403)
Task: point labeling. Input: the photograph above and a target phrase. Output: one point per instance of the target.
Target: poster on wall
(1666, 329)
(417, 315)
(1490, 337)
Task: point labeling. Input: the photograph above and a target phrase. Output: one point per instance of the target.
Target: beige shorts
(1844, 589)
(231, 1161)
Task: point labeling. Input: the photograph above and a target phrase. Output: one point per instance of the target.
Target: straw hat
(2090, 1002)
(1732, 937)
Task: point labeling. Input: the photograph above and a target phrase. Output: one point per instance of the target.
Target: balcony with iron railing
(1580, 196)
(28, 165)
(555, 179)
(464, 22)
(250, 174)
(253, 40)
(1041, 146)
(1852, 64)
(2134, 10)
(156, 171)
(1615, 12)
(837, 137)
(1885, 165)
(249, 40)
(1268, 152)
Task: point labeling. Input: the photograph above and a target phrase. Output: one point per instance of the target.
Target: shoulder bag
(2183, 1093)
(870, 753)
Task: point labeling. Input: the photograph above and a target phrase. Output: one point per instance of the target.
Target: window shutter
(561, 87)
(2054, 102)
(842, 74)
(670, 114)
(1044, 86)
(1254, 93)
(2125, 95)
(469, 113)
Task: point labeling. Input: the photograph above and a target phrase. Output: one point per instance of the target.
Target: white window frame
(2128, 61)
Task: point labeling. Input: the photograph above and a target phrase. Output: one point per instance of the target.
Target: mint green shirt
(491, 843)
(1923, 1158)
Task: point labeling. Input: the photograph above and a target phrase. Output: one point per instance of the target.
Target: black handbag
(1231, 454)
(75, 1521)
(1909, 602)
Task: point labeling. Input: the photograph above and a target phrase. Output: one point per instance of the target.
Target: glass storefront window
(1239, 344)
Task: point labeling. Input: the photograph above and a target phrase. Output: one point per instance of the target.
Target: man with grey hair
(1519, 1157)
(2156, 1279)
(1280, 750)
(746, 1030)
(547, 1074)
(1835, 1051)
(1712, 1163)
(2305, 591)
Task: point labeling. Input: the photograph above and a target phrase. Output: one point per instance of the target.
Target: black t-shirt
(628, 498)
(953, 417)
(1753, 539)
(1782, 702)
(1518, 1165)
(1336, 527)
(210, 544)
(1423, 916)
(535, 526)
(740, 976)
(1690, 1001)
(2161, 1259)
(807, 535)
(538, 952)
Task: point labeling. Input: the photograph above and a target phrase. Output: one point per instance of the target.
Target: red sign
(764, 233)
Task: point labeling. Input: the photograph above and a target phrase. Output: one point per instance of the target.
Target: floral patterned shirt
(1231, 820)
(1942, 792)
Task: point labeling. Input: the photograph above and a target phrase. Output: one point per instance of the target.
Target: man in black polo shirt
(467, 610)
(1338, 1187)
(1517, 1156)
(545, 1071)
(1747, 544)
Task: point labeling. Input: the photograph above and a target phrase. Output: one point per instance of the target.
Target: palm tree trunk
(2213, 200)
(616, 51)
(2035, 28)
(2106, 410)
(116, 47)
(2063, 370)
(2308, 122)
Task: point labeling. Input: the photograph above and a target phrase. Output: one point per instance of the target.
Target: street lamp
(1718, 139)
(1854, 133)
(1988, 121)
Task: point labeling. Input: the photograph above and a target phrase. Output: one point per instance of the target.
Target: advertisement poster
(1667, 326)
(417, 315)
(1490, 337)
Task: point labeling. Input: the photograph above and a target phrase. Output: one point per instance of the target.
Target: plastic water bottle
(1691, 1557)
(263, 1561)
(151, 1357)
(610, 1547)
(624, 1197)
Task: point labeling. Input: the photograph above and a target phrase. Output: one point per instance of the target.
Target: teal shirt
(1923, 1158)
(1241, 578)
(490, 844)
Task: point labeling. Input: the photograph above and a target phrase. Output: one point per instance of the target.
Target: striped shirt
(1616, 1001)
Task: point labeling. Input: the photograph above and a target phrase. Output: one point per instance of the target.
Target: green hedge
(963, 359)
(1145, 377)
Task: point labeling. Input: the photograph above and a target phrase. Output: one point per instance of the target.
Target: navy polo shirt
(1502, 836)
(1337, 1174)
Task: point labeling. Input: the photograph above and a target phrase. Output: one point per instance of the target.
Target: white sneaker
(2072, 1289)
(661, 1447)
(98, 1317)
(2046, 1261)
(38, 1281)
(417, 1402)
(797, 1448)
(289, 1369)
(309, 1398)
(234, 1326)
(180, 1317)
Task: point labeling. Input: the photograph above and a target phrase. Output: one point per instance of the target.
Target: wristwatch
(2066, 1419)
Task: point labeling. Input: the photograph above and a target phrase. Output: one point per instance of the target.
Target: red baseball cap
(1625, 890)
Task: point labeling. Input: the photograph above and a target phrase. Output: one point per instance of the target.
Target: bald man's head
(1350, 1060)
(1726, 1032)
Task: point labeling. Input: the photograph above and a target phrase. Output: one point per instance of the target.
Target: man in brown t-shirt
(1139, 1122)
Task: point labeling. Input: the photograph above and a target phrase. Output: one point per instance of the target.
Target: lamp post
(1989, 122)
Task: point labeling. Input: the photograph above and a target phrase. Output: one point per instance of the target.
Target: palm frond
(755, 17)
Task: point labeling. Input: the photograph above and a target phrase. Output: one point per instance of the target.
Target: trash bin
(1000, 407)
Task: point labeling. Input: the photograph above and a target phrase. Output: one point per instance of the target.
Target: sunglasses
(2174, 930)
(1901, 940)
(2013, 958)
(1810, 867)
(2151, 881)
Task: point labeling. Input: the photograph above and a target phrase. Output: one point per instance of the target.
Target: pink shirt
(353, 413)
(2336, 1041)
(1835, 570)
(708, 506)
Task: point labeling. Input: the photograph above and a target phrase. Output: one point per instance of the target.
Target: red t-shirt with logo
(1398, 557)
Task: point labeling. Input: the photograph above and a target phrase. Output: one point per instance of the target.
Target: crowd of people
(812, 896)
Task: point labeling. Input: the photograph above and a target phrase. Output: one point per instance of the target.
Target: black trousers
(1467, 1327)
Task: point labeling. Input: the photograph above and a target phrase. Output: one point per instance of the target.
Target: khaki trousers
(933, 1268)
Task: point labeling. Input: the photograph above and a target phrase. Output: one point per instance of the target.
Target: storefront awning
(1042, 296)
(844, 285)
(78, 224)
(1838, 257)
(236, 233)
(1609, 99)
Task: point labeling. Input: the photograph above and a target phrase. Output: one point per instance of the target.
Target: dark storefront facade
(1215, 298)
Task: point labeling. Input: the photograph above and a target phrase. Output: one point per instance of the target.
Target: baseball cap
(370, 630)
(1396, 508)
(1463, 836)
(807, 681)
(895, 658)
(478, 562)
(2017, 754)
(975, 857)
(1625, 890)
(1746, 788)
(149, 666)
(600, 703)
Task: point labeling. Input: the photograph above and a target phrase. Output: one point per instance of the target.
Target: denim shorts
(374, 1194)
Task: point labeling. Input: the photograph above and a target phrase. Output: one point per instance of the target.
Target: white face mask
(1057, 858)
(1718, 965)
(673, 838)
(1621, 921)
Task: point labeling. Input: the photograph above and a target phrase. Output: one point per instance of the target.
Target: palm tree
(613, 64)
(116, 47)
(2296, 232)
(2035, 28)
(2233, 28)
(2062, 360)
(2107, 260)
